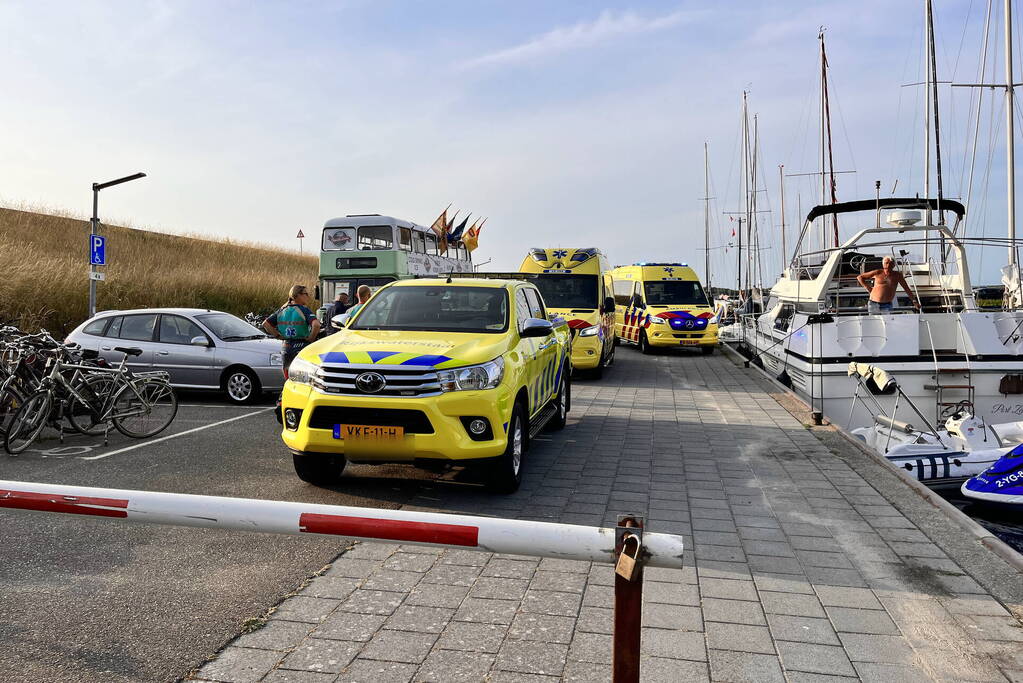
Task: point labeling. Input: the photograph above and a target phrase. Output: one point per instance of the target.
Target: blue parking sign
(97, 250)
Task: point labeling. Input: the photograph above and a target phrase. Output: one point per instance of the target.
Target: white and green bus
(373, 250)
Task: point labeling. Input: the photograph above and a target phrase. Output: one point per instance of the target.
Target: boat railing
(881, 416)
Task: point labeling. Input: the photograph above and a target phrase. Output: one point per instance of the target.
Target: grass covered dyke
(44, 262)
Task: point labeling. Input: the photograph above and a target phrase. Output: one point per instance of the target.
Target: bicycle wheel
(28, 422)
(97, 389)
(10, 400)
(139, 418)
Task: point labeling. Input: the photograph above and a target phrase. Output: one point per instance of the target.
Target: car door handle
(105, 348)
(163, 353)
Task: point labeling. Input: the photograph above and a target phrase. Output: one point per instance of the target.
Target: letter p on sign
(97, 250)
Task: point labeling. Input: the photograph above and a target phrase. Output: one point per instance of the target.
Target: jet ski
(1001, 484)
(946, 457)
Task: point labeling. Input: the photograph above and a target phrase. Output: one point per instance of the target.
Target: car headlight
(657, 321)
(713, 319)
(472, 377)
(589, 331)
(276, 359)
(301, 371)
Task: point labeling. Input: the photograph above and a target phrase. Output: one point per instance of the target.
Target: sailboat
(948, 355)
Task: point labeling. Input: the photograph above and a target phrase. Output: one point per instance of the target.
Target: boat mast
(781, 183)
(706, 218)
(745, 189)
(1010, 161)
(828, 170)
(927, 120)
(933, 76)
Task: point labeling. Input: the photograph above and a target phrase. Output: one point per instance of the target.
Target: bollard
(628, 604)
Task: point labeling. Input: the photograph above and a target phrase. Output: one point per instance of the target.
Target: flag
(456, 235)
(471, 239)
(442, 246)
(441, 224)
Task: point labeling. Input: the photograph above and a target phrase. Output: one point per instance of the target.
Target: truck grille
(413, 421)
(337, 378)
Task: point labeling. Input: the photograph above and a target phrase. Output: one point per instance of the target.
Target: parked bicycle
(92, 398)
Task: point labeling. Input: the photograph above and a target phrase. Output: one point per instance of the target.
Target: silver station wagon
(201, 349)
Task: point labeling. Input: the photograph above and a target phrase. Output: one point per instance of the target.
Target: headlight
(472, 377)
(589, 331)
(713, 319)
(301, 371)
(276, 359)
(656, 321)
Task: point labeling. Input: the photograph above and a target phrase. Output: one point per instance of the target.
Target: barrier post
(628, 601)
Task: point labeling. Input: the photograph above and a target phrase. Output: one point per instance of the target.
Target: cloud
(607, 26)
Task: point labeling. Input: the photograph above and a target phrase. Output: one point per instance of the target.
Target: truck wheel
(320, 469)
(644, 344)
(708, 350)
(562, 402)
(505, 473)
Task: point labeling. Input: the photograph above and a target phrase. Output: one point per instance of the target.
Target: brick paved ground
(797, 568)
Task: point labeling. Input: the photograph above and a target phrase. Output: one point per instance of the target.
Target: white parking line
(173, 436)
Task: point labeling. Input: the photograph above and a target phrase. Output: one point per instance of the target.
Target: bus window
(418, 242)
(338, 239)
(431, 243)
(375, 237)
(404, 239)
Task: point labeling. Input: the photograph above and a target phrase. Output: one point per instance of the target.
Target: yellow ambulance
(576, 286)
(662, 305)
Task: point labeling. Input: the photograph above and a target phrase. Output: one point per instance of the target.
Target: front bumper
(669, 337)
(586, 352)
(448, 442)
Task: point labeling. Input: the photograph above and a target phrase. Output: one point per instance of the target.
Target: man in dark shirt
(339, 306)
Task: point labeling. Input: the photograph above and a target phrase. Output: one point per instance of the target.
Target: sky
(569, 123)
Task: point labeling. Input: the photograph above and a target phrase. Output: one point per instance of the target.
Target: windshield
(674, 293)
(436, 309)
(568, 291)
(229, 328)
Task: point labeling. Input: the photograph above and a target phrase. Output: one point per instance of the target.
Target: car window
(96, 327)
(115, 327)
(177, 330)
(536, 308)
(521, 306)
(138, 327)
(623, 292)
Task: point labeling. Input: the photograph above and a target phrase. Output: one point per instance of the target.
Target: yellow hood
(407, 348)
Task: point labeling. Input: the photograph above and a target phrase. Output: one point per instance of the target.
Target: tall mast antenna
(706, 217)
(828, 185)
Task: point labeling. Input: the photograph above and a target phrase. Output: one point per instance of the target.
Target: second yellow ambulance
(576, 286)
(663, 305)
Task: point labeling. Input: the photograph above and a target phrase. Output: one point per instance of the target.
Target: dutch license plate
(690, 342)
(368, 433)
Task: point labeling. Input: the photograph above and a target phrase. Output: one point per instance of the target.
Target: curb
(982, 535)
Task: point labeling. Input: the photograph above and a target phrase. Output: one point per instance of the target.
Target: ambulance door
(625, 325)
(607, 317)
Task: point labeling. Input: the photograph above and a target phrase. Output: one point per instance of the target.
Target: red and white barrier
(488, 534)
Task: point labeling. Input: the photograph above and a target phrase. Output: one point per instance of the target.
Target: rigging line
(980, 106)
(962, 40)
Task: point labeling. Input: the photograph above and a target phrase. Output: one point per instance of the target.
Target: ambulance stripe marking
(377, 356)
(426, 360)
(334, 357)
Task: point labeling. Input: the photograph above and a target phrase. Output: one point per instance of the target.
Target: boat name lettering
(1007, 408)
(1005, 481)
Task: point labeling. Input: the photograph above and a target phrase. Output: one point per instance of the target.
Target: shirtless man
(886, 281)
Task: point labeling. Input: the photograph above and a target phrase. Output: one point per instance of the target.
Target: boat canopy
(886, 203)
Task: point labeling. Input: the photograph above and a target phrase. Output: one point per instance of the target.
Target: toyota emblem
(370, 382)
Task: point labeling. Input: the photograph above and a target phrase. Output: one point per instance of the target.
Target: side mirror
(637, 301)
(609, 305)
(536, 327)
(339, 321)
(200, 340)
(316, 292)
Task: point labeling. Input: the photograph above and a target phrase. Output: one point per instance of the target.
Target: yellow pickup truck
(431, 373)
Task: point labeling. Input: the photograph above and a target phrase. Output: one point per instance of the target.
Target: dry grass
(44, 262)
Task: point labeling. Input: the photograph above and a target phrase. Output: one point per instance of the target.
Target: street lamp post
(96, 187)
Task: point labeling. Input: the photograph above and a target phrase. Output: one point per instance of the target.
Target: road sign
(97, 250)
(96, 275)
(300, 234)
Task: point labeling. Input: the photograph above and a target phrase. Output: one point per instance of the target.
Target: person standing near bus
(364, 293)
(294, 323)
(339, 306)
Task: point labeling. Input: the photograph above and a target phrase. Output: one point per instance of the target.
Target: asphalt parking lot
(82, 599)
